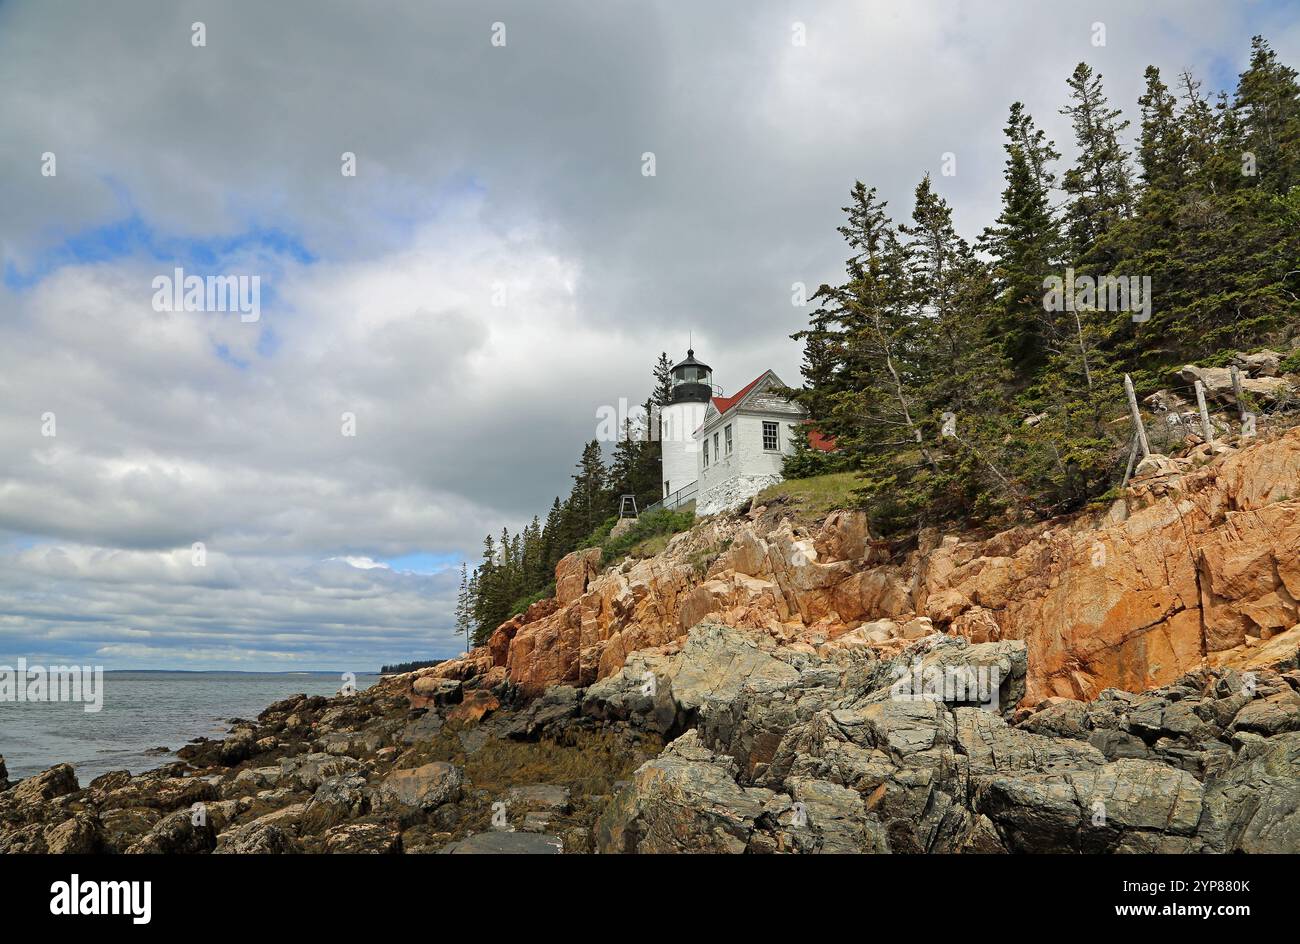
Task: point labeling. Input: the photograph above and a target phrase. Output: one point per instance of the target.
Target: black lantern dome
(692, 381)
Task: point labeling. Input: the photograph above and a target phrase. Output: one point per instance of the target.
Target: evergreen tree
(1024, 244)
(662, 394)
(1267, 104)
(964, 372)
(590, 500)
(488, 606)
(464, 606)
(1100, 182)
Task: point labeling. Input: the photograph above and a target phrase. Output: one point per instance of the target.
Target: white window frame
(717, 453)
(776, 436)
(706, 453)
(726, 430)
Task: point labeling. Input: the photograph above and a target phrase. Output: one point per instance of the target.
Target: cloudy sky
(484, 173)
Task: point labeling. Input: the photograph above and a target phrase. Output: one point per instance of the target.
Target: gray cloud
(478, 166)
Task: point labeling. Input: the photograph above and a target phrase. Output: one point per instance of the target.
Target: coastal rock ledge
(728, 743)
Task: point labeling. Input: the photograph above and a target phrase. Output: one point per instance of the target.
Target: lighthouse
(692, 390)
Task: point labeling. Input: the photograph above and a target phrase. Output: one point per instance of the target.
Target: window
(770, 441)
(706, 453)
(727, 435)
(668, 488)
(717, 453)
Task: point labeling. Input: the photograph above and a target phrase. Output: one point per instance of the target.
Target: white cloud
(479, 169)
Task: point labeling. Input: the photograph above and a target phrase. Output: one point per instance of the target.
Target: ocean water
(143, 711)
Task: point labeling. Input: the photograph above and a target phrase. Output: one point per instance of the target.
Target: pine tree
(962, 369)
(623, 466)
(590, 498)
(1025, 244)
(464, 606)
(486, 595)
(662, 394)
(1100, 182)
(552, 548)
(1267, 103)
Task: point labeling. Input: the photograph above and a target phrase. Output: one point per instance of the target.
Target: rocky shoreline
(721, 742)
(1122, 681)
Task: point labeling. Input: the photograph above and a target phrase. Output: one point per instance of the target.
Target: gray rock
(363, 839)
(1064, 717)
(1272, 715)
(686, 800)
(537, 821)
(254, 779)
(309, 771)
(539, 796)
(55, 782)
(423, 788)
(255, 838)
(335, 800)
(1260, 364)
(501, 842)
(181, 832)
(546, 712)
(423, 729)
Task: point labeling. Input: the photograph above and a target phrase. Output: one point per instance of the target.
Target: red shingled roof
(816, 438)
(723, 404)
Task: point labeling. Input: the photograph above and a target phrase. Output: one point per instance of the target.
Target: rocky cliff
(1195, 565)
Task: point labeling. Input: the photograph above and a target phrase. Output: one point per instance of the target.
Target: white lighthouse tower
(692, 390)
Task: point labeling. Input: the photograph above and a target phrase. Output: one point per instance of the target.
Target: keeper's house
(740, 442)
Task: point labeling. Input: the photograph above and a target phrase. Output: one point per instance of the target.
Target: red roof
(723, 404)
(820, 441)
(816, 438)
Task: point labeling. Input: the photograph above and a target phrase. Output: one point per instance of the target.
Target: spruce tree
(1099, 184)
(1267, 103)
(1024, 243)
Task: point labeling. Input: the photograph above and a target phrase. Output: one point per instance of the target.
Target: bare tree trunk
(902, 398)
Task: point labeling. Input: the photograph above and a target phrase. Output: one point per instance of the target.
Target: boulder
(539, 796)
(687, 800)
(1260, 364)
(55, 782)
(363, 839)
(309, 771)
(123, 827)
(181, 832)
(422, 788)
(573, 573)
(82, 834)
(335, 800)
(255, 838)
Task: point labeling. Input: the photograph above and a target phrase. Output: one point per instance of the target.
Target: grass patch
(814, 497)
(650, 546)
(650, 529)
(587, 762)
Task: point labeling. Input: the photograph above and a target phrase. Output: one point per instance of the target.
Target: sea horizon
(147, 715)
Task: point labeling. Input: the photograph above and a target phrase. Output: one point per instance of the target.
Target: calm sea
(143, 711)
